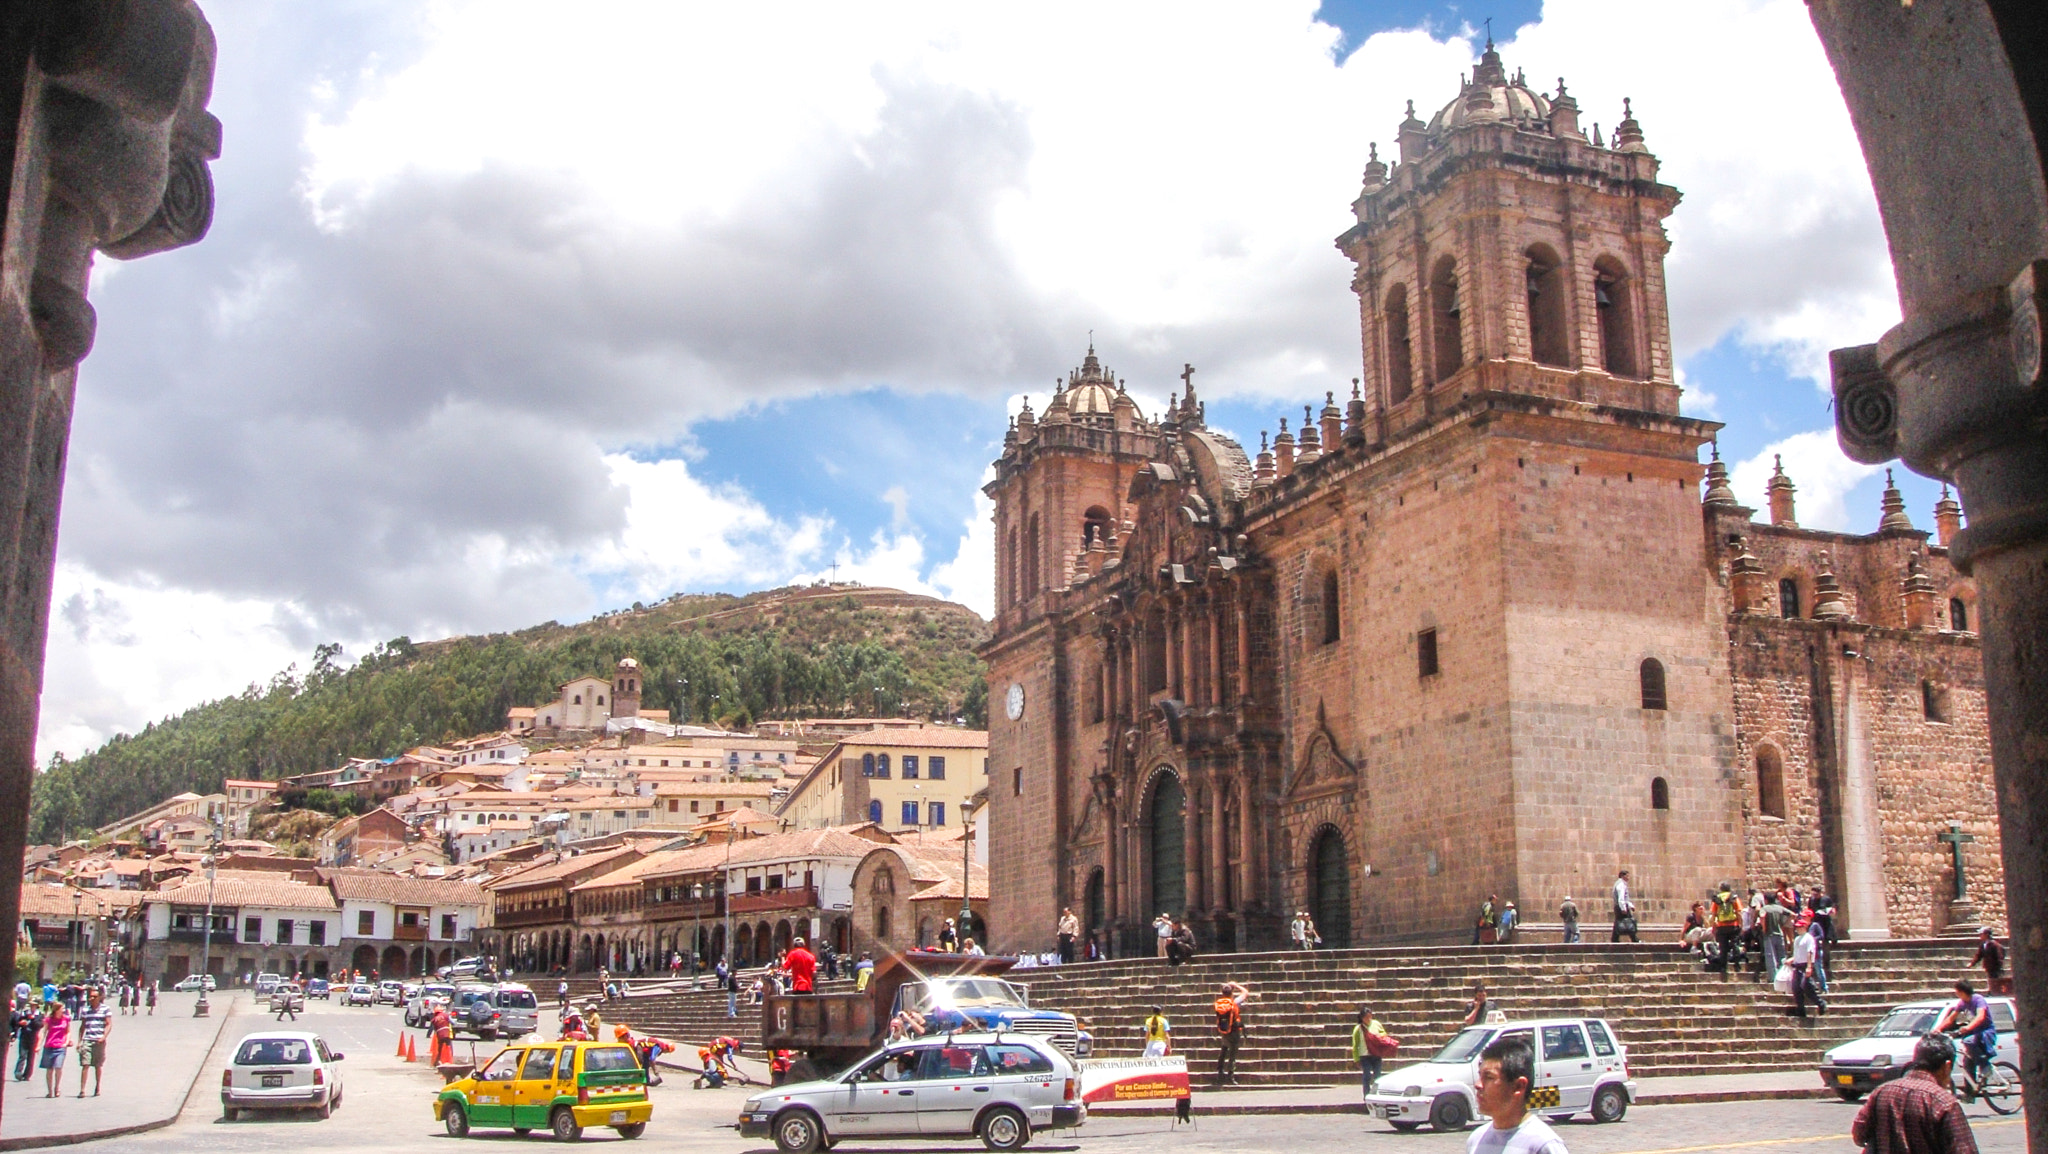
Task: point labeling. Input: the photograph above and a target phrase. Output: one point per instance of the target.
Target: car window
(1561, 1042)
(540, 1066)
(1904, 1024)
(1603, 1045)
(1465, 1046)
(1018, 1060)
(326, 1055)
(274, 1052)
(897, 1066)
(567, 1067)
(954, 1062)
(2002, 1019)
(596, 1058)
(502, 1067)
(517, 999)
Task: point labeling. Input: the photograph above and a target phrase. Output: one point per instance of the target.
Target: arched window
(1653, 683)
(1444, 312)
(1958, 615)
(1612, 298)
(1400, 353)
(1010, 568)
(1333, 617)
(1031, 547)
(882, 923)
(1660, 793)
(1788, 597)
(1549, 343)
(1770, 783)
(881, 765)
(1095, 526)
(875, 811)
(867, 765)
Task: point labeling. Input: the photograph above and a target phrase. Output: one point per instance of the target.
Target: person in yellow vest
(1370, 1045)
(1158, 1034)
(1727, 917)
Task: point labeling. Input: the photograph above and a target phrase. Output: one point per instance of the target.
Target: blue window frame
(935, 768)
(909, 766)
(909, 813)
(875, 811)
(867, 765)
(938, 811)
(881, 765)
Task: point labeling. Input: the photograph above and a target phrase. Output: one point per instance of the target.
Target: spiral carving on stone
(187, 210)
(2026, 340)
(1867, 409)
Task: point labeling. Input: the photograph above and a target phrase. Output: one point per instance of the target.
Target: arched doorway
(743, 945)
(393, 964)
(1092, 905)
(1330, 888)
(364, 959)
(1168, 829)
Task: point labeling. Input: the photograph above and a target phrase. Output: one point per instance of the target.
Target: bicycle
(1999, 1085)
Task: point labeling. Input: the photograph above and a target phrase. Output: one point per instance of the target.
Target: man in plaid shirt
(1916, 1114)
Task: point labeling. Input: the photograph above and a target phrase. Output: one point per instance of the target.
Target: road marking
(1837, 1137)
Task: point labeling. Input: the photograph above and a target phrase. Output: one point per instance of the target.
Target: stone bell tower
(626, 688)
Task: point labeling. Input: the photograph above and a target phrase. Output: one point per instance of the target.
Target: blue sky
(746, 296)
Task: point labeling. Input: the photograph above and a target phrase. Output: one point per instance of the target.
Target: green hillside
(796, 652)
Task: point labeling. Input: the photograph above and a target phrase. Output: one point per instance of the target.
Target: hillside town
(588, 834)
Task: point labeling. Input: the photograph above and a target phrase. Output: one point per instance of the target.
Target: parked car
(319, 988)
(1580, 1068)
(996, 1087)
(279, 1070)
(518, 1010)
(194, 981)
(360, 994)
(391, 992)
(287, 996)
(266, 983)
(1857, 1067)
(466, 968)
(419, 1010)
(560, 1086)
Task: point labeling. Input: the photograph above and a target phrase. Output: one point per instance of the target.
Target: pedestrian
(1775, 921)
(1568, 913)
(56, 1036)
(1991, 955)
(1162, 929)
(1727, 919)
(1182, 945)
(1482, 1006)
(1229, 1008)
(949, 937)
(561, 995)
(152, 997)
(1507, 1069)
(1067, 930)
(1487, 928)
(1916, 1113)
(441, 1048)
(1370, 1045)
(1803, 949)
(802, 967)
(1624, 910)
(94, 1024)
(1158, 1034)
(1970, 1020)
(863, 972)
(282, 1002)
(1297, 930)
(1509, 918)
(1691, 934)
(26, 1020)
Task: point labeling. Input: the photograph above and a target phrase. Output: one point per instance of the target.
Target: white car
(391, 992)
(997, 1087)
(1580, 1068)
(194, 981)
(281, 1070)
(360, 994)
(419, 1009)
(1855, 1068)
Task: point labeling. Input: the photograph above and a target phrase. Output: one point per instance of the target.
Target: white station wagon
(1580, 1068)
(281, 1070)
(997, 1087)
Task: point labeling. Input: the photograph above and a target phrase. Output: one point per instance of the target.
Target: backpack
(1228, 1017)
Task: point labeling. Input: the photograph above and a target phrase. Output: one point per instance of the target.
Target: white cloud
(1821, 476)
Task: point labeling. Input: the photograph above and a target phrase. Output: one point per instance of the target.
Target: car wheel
(1004, 1129)
(797, 1132)
(1851, 1095)
(324, 1110)
(563, 1124)
(1449, 1113)
(455, 1120)
(802, 1070)
(631, 1130)
(1609, 1104)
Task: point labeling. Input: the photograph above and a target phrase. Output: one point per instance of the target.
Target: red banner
(1133, 1079)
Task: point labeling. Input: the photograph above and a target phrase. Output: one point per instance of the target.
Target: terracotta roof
(713, 789)
(247, 889)
(801, 843)
(546, 872)
(376, 886)
(42, 900)
(694, 859)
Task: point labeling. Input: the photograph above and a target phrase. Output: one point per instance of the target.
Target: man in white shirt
(1624, 909)
(1804, 947)
(1506, 1070)
(1162, 927)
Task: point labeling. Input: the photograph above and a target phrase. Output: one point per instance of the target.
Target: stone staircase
(1674, 1018)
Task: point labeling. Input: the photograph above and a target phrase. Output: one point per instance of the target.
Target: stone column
(1862, 829)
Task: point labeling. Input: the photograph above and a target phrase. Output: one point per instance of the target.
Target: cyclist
(1970, 1020)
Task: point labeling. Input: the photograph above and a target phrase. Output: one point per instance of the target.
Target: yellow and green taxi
(558, 1086)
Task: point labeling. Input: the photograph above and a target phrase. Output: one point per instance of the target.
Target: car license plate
(1846, 1079)
(1379, 1111)
(272, 1081)
(618, 1117)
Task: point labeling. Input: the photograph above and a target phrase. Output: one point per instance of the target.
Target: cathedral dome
(1491, 96)
(1091, 389)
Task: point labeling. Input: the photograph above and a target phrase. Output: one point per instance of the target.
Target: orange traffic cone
(412, 1053)
(401, 1045)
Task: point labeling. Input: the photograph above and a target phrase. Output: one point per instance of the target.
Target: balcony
(685, 908)
(765, 901)
(547, 915)
(409, 933)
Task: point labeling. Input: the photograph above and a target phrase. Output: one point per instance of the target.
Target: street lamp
(966, 840)
(77, 931)
(199, 1008)
(683, 701)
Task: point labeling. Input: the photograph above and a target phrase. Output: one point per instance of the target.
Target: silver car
(997, 1087)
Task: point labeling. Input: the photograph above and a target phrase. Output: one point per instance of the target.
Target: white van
(1580, 1068)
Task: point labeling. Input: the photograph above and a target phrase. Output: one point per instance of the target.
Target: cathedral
(1481, 622)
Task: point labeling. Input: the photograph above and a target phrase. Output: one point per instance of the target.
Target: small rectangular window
(366, 924)
(1425, 653)
(909, 766)
(910, 813)
(316, 933)
(1017, 781)
(252, 929)
(448, 927)
(284, 931)
(938, 812)
(935, 768)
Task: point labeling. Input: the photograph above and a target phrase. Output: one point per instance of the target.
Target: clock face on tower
(1016, 700)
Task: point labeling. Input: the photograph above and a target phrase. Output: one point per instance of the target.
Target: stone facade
(1475, 631)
